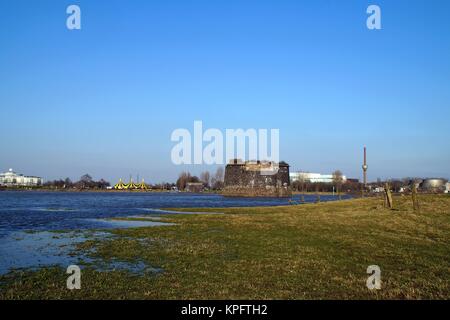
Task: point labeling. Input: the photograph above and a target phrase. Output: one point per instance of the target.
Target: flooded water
(22, 250)
(45, 211)
(28, 221)
(30, 251)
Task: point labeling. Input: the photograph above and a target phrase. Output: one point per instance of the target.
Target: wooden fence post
(415, 201)
(388, 193)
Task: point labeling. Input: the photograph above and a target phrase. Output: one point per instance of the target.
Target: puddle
(31, 251)
(22, 250)
(159, 218)
(159, 211)
(123, 224)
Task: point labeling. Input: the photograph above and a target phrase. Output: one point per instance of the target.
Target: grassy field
(311, 251)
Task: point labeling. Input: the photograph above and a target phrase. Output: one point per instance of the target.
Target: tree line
(209, 181)
(85, 182)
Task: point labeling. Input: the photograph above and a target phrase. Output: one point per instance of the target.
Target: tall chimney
(364, 167)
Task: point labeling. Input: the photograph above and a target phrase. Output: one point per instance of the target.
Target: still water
(27, 220)
(46, 211)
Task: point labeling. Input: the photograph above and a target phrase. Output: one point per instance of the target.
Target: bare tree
(217, 180)
(301, 183)
(68, 183)
(219, 174)
(205, 177)
(85, 182)
(86, 178)
(338, 180)
(183, 179)
(396, 184)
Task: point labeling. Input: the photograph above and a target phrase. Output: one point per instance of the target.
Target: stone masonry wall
(245, 179)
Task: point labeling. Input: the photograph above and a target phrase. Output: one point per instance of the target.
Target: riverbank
(80, 190)
(101, 190)
(309, 251)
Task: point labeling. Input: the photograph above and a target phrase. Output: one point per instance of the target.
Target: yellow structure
(120, 185)
(142, 185)
(130, 186)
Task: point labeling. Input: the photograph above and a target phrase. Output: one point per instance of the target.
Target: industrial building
(434, 185)
(13, 179)
(257, 179)
(313, 177)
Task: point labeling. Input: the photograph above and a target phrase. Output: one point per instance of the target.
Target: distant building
(434, 185)
(131, 185)
(379, 189)
(257, 179)
(313, 177)
(13, 179)
(195, 187)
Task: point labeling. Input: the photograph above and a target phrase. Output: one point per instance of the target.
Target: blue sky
(105, 99)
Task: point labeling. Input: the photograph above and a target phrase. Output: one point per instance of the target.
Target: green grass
(312, 251)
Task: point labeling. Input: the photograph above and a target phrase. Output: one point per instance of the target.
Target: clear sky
(105, 99)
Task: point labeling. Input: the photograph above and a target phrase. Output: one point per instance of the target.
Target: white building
(13, 179)
(313, 177)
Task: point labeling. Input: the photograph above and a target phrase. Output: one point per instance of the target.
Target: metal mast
(364, 167)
